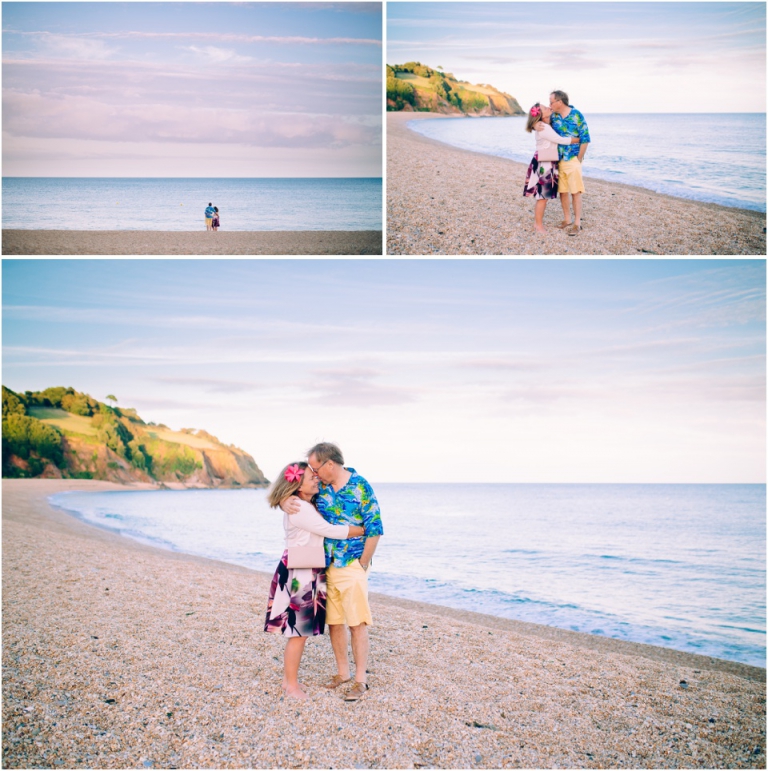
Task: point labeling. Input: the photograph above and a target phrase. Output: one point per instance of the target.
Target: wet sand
(444, 200)
(159, 243)
(117, 655)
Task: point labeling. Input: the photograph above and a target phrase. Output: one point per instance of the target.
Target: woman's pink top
(547, 142)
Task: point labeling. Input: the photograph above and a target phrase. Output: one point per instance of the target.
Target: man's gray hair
(562, 96)
(327, 451)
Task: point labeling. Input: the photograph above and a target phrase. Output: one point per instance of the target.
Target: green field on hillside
(61, 419)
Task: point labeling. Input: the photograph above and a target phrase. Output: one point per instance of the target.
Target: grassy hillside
(60, 432)
(415, 86)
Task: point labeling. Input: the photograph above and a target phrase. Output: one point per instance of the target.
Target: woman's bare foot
(296, 692)
(301, 685)
(540, 229)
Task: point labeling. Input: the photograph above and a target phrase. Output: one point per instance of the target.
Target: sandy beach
(118, 655)
(159, 243)
(444, 200)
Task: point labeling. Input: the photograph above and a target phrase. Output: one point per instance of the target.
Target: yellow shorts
(570, 177)
(347, 595)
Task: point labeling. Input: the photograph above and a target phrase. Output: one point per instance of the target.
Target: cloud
(78, 43)
(68, 46)
(212, 385)
(80, 117)
(353, 387)
(214, 55)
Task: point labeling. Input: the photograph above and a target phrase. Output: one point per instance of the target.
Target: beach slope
(444, 200)
(153, 242)
(120, 655)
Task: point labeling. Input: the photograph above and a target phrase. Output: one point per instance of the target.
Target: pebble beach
(446, 200)
(117, 655)
(154, 242)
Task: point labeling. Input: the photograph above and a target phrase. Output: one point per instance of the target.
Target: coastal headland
(445, 200)
(159, 243)
(118, 655)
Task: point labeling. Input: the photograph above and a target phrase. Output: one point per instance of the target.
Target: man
(569, 122)
(345, 498)
(209, 212)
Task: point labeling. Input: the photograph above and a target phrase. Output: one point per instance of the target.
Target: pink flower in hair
(535, 111)
(293, 473)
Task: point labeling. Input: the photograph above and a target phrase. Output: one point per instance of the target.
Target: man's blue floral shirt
(353, 504)
(573, 126)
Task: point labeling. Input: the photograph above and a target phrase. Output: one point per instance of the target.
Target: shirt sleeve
(583, 131)
(369, 507)
(309, 519)
(549, 133)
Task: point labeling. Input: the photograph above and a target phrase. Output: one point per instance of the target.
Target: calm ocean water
(710, 157)
(179, 204)
(680, 566)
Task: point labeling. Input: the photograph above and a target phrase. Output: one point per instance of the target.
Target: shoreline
(169, 242)
(543, 631)
(119, 654)
(443, 199)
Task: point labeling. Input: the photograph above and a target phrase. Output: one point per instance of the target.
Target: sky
(420, 370)
(213, 89)
(607, 56)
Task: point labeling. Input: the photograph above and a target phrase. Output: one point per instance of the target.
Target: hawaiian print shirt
(573, 126)
(353, 504)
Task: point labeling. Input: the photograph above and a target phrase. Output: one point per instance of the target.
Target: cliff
(62, 433)
(415, 87)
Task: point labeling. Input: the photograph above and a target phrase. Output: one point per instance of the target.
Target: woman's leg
(294, 649)
(541, 205)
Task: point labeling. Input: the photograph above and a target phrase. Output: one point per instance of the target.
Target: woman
(296, 604)
(542, 177)
(215, 224)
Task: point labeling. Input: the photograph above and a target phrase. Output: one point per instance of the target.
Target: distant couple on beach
(212, 217)
(562, 137)
(332, 526)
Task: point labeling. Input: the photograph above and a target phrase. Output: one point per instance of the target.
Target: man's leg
(338, 634)
(565, 200)
(577, 209)
(360, 647)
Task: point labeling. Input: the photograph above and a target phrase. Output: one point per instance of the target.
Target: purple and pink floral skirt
(542, 179)
(296, 603)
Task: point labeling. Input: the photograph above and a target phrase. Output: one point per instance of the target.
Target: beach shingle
(170, 668)
(442, 200)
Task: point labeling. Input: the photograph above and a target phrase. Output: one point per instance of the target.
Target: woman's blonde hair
(282, 488)
(533, 119)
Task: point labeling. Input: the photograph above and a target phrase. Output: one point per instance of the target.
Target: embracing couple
(562, 137)
(332, 527)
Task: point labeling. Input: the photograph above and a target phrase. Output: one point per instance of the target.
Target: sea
(37, 203)
(711, 157)
(678, 566)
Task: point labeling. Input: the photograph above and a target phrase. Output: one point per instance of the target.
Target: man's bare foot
(296, 692)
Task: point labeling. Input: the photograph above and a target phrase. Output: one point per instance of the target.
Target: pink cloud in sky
(74, 90)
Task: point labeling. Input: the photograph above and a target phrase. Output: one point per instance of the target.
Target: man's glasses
(315, 470)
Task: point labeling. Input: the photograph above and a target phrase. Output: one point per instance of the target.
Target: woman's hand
(575, 141)
(355, 531)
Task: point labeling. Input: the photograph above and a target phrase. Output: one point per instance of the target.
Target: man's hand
(539, 126)
(290, 505)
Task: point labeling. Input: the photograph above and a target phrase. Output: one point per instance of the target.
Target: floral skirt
(296, 603)
(542, 179)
